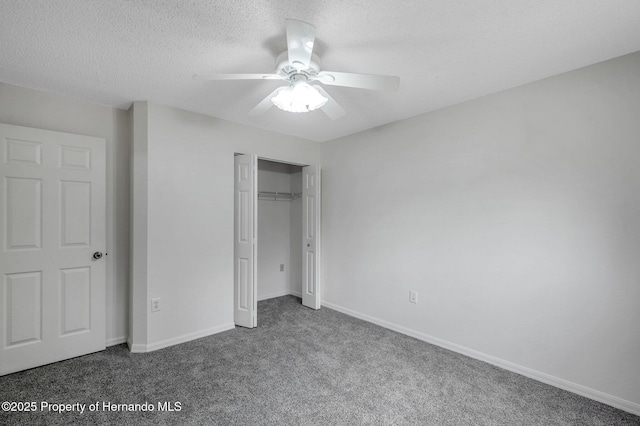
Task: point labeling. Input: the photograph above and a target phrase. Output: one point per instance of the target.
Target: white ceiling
(445, 51)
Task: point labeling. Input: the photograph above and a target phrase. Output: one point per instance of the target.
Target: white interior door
(245, 296)
(311, 236)
(52, 207)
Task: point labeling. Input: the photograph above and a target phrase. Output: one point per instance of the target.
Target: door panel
(311, 236)
(52, 202)
(23, 307)
(76, 297)
(310, 264)
(23, 215)
(245, 236)
(75, 212)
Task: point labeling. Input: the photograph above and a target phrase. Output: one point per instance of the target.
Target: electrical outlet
(281, 267)
(155, 304)
(413, 296)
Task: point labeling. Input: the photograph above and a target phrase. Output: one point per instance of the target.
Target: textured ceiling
(445, 51)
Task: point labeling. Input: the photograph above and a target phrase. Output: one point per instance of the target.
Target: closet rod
(278, 196)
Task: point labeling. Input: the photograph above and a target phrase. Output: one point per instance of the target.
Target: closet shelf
(278, 196)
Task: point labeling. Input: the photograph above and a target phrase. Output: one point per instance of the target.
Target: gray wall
(186, 237)
(274, 231)
(515, 216)
(31, 108)
(295, 270)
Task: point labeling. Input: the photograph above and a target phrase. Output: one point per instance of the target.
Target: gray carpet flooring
(299, 367)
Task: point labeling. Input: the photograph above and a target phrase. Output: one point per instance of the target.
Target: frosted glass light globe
(300, 97)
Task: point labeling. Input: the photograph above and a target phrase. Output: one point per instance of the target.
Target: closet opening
(279, 229)
(276, 229)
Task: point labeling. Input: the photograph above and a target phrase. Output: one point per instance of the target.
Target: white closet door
(311, 236)
(245, 241)
(52, 207)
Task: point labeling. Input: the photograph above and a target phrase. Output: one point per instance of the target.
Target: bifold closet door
(245, 297)
(311, 236)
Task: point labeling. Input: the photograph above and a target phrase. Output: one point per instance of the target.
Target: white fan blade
(360, 81)
(264, 104)
(331, 108)
(237, 77)
(300, 39)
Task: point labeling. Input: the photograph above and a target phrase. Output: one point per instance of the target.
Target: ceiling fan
(299, 67)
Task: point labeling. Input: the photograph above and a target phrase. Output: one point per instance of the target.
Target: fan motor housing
(285, 69)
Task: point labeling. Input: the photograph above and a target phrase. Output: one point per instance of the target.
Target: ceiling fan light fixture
(299, 97)
(298, 65)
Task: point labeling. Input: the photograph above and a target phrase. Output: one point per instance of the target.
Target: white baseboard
(116, 341)
(614, 401)
(150, 347)
(274, 294)
(297, 294)
(137, 348)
